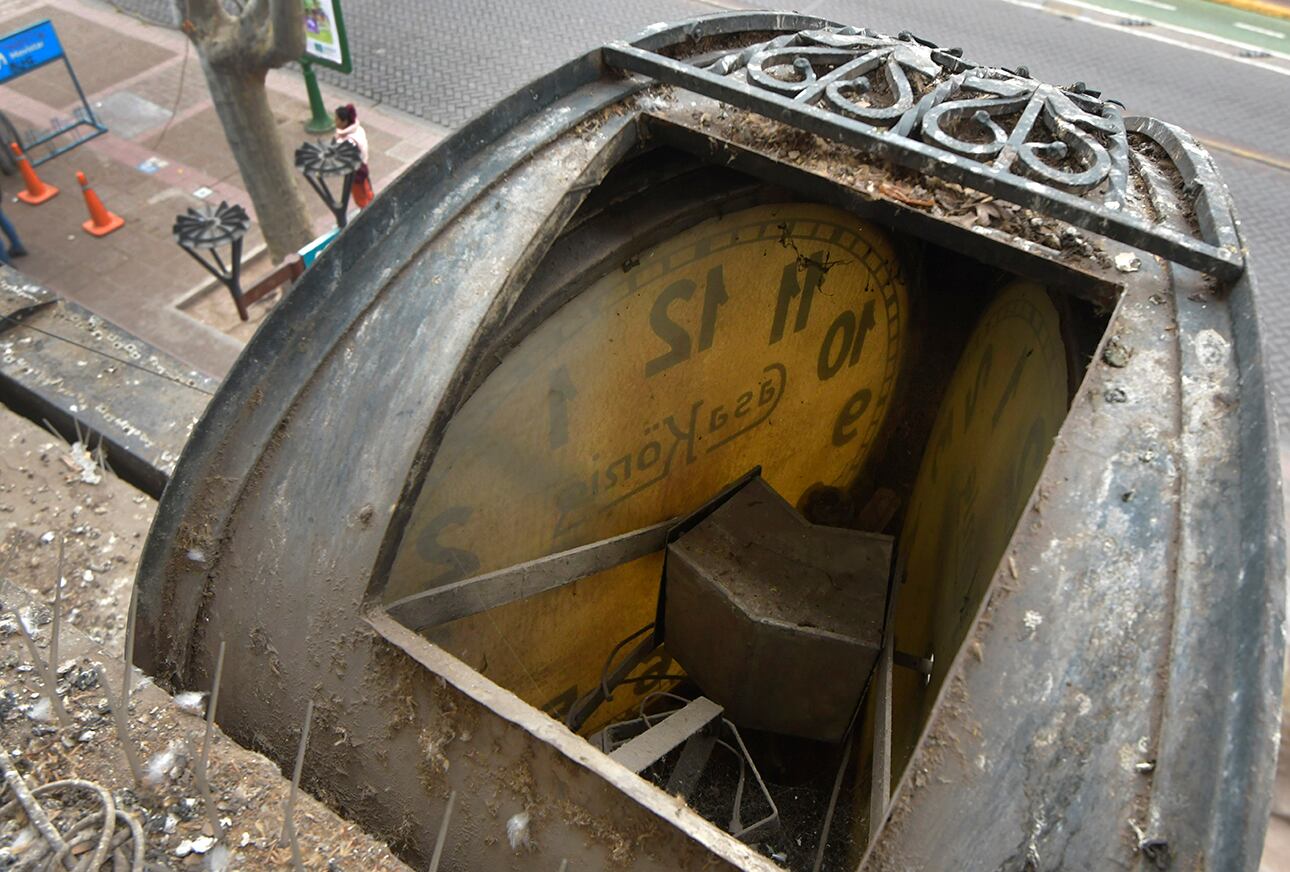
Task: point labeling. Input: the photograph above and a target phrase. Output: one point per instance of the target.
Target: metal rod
(53, 153)
(206, 265)
(833, 804)
(131, 619)
(214, 704)
(880, 785)
(122, 719)
(80, 92)
(55, 632)
(443, 833)
(203, 781)
(288, 827)
(922, 665)
(297, 862)
(472, 595)
(48, 678)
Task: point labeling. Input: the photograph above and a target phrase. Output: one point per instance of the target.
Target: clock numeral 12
(677, 337)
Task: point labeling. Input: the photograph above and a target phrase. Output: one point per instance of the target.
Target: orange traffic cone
(37, 191)
(102, 222)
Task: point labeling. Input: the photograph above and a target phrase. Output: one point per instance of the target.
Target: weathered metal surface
(1111, 634)
(1178, 588)
(762, 606)
(92, 381)
(508, 179)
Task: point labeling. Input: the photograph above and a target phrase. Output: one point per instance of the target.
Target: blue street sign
(27, 49)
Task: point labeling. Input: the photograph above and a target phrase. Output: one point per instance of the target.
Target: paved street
(1236, 25)
(447, 66)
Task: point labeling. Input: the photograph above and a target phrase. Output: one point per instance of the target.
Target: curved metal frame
(285, 511)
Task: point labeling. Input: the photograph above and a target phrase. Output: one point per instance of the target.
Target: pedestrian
(349, 130)
(15, 247)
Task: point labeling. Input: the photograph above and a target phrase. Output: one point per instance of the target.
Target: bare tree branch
(206, 16)
(209, 26)
(257, 12)
(288, 32)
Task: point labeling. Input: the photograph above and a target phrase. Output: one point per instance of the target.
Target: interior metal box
(777, 619)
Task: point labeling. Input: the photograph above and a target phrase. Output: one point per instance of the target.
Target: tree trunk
(243, 108)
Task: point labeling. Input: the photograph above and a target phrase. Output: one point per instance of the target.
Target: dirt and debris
(1116, 353)
(45, 499)
(1127, 262)
(52, 491)
(947, 200)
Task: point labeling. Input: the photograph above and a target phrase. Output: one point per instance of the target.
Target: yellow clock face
(1001, 412)
(771, 336)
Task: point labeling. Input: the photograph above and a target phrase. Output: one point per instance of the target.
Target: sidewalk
(146, 85)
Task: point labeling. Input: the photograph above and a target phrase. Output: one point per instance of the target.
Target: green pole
(321, 121)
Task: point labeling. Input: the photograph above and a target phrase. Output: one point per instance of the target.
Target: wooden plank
(650, 746)
(291, 269)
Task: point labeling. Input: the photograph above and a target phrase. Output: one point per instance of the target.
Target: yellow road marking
(1279, 163)
(1260, 6)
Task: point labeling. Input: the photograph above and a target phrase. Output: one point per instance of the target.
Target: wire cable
(179, 93)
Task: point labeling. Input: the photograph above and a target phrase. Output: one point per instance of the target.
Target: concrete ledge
(69, 369)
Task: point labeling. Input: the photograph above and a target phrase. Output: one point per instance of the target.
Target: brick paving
(149, 88)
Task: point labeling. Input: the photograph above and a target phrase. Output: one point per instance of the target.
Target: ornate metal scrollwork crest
(1065, 137)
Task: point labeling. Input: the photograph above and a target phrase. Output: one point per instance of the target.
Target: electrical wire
(98, 828)
(604, 670)
(183, 71)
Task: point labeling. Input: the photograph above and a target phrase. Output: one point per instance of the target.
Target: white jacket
(355, 134)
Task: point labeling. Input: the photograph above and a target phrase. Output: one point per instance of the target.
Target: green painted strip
(1238, 25)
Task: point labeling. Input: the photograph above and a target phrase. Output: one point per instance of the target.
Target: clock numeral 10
(844, 340)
